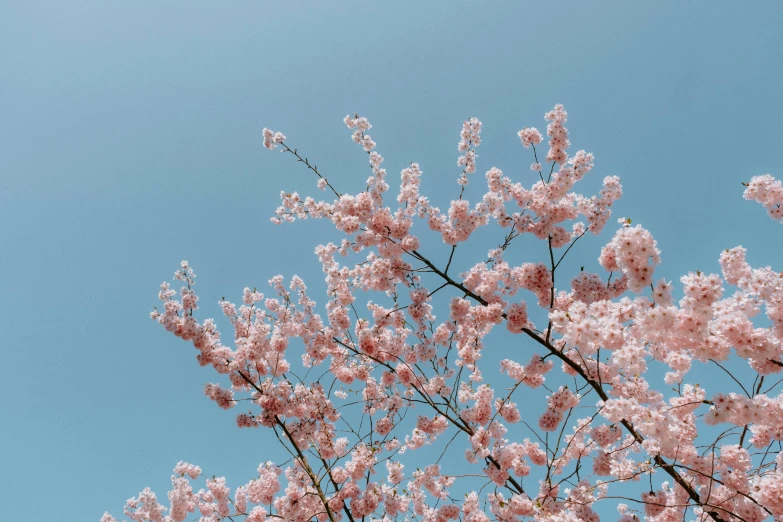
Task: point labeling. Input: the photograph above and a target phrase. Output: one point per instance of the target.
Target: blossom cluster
(470, 138)
(769, 192)
(272, 138)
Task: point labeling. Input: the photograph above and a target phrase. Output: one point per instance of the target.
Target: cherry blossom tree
(385, 408)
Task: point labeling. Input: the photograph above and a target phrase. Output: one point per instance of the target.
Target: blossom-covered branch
(402, 333)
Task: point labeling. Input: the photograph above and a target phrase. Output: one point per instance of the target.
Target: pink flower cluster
(769, 192)
(361, 126)
(558, 135)
(634, 252)
(529, 136)
(272, 139)
(589, 288)
(470, 138)
(764, 414)
(558, 403)
(531, 374)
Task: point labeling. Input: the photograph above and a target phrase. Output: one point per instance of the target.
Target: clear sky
(131, 139)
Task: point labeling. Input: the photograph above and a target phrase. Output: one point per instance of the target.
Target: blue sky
(131, 139)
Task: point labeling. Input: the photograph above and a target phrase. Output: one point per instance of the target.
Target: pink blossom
(470, 138)
(530, 136)
(769, 192)
(272, 139)
(558, 135)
